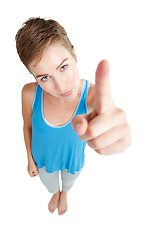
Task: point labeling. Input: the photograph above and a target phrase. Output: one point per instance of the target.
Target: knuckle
(96, 143)
(129, 141)
(100, 151)
(122, 115)
(121, 147)
(124, 143)
(127, 128)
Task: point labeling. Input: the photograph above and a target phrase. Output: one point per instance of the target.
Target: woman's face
(57, 72)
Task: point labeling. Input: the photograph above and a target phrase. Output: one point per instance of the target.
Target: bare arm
(27, 101)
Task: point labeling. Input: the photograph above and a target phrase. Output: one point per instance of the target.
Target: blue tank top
(57, 147)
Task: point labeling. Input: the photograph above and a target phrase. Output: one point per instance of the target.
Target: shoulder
(28, 92)
(29, 89)
(91, 97)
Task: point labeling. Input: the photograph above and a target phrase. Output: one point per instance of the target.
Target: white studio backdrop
(116, 197)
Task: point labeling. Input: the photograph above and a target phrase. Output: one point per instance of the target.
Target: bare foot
(53, 204)
(62, 208)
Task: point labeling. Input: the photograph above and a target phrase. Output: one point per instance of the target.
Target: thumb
(80, 124)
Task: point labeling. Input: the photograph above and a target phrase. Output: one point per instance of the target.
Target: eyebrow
(62, 63)
(41, 75)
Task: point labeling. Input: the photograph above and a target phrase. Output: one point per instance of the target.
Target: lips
(66, 94)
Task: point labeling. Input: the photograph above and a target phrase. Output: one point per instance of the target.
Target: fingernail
(78, 126)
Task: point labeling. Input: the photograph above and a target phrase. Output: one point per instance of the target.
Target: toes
(51, 210)
(65, 211)
(61, 212)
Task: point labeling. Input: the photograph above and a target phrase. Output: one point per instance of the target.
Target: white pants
(51, 180)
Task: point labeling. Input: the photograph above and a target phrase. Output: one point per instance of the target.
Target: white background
(116, 197)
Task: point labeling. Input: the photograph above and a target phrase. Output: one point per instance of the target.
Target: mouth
(66, 94)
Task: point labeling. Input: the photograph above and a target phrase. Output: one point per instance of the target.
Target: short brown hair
(36, 35)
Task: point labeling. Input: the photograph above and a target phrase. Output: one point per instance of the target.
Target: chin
(72, 97)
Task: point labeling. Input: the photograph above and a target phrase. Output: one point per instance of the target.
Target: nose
(59, 84)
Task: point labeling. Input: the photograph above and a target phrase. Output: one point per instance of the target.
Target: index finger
(103, 98)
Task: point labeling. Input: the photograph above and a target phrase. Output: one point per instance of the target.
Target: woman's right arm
(28, 92)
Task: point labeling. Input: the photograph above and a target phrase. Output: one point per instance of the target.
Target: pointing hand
(105, 129)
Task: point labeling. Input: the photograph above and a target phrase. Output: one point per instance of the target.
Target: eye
(63, 67)
(45, 78)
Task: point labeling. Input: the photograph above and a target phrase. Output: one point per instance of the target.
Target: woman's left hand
(105, 129)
